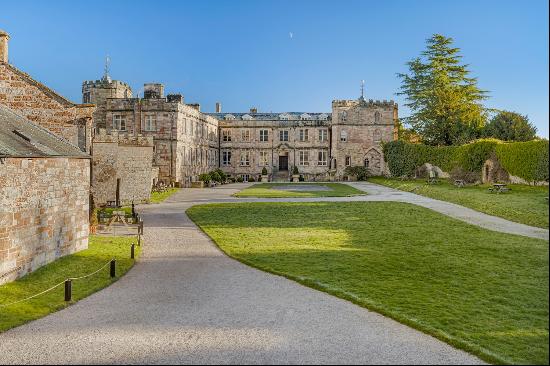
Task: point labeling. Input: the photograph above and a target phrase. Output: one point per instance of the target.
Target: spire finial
(362, 89)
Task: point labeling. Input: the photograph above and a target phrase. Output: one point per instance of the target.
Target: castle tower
(98, 91)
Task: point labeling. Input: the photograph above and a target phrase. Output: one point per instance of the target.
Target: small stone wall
(44, 212)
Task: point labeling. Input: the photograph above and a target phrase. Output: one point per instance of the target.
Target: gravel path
(186, 302)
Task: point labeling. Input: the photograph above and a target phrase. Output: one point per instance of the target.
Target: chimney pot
(4, 38)
(218, 107)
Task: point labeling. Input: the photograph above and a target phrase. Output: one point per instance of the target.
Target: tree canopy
(510, 126)
(445, 102)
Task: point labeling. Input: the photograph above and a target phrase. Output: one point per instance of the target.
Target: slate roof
(294, 116)
(19, 137)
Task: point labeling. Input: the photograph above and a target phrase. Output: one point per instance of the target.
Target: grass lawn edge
(289, 194)
(475, 350)
(65, 305)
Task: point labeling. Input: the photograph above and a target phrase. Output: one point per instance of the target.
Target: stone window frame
(377, 117)
(377, 135)
(343, 136)
(322, 158)
(263, 158)
(348, 160)
(86, 97)
(226, 157)
(264, 135)
(323, 134)
(245, 158)
(226, 135)
(343, 116)
(247, 133)
(283, 135)
(303, 157)
(150, 123)
(119, 121)
(303, 134)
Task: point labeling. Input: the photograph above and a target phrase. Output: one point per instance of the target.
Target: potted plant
(265, 177)
(295, 174)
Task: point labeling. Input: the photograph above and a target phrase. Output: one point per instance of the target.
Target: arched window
(377, 117)
(377, 136)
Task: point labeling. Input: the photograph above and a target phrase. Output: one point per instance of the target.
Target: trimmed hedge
(527, 160)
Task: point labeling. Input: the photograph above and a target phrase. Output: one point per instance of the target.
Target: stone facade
(185, 140)
(43, 212)
(122, 168)
(41, 105)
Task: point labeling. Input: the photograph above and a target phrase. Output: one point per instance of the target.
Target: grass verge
(524, 204)
(100, 251)
(266, 190)
(482, 291)
(158, 197)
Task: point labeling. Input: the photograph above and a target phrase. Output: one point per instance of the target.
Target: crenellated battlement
(364, 102)
(102, 83)
(125, 139)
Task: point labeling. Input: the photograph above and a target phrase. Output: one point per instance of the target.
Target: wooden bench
(499, 188)
(459, 183)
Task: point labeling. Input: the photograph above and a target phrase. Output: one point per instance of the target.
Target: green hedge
(527, 160)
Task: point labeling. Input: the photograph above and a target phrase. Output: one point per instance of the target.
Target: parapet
(124, 139)
(369, 103)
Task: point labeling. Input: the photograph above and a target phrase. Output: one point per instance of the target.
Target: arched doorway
(373, 161)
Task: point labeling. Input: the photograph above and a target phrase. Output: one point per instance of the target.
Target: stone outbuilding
(44, 196)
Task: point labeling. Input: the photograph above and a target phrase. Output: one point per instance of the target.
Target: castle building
(44, 172)
(188, 142)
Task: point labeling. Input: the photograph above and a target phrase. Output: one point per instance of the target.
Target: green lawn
(265, 190)
(158, 197)
(482, 291)
(101, 250)
(523, 204)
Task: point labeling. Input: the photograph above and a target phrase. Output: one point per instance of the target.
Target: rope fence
(68, 281)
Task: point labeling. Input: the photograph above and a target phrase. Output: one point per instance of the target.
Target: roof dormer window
(229, 117)
(247, 117)
(305, 117)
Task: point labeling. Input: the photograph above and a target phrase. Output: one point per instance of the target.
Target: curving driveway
(186, 302)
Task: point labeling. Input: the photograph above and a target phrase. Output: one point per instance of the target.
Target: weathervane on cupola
(362, 98)
(106, 76)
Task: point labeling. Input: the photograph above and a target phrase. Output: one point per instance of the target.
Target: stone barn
(44, 196)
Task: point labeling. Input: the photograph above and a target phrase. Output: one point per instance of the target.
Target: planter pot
(197, 184)
(295, 177)
(265, 178)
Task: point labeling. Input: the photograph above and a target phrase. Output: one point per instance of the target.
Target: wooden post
(113, 268)
(68, 290)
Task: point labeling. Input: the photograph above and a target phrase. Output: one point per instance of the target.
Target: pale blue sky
(241, 52)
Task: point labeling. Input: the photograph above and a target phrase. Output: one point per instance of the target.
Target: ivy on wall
(527, 160)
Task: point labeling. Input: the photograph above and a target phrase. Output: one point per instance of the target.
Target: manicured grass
(523, 204)
(158, 197)
(265, 190)
(100, 251)
(482, 291)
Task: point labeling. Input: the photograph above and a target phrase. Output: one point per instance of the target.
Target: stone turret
(98, 91)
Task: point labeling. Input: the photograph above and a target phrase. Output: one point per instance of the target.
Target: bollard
(139, 240)
(132, 248)
(68, 290)
(113, 268)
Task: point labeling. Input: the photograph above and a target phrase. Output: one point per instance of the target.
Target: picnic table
(459, 183)
(499, 188)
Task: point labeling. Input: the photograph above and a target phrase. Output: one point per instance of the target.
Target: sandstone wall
(44, 212)
(37, 103)
(122, 158)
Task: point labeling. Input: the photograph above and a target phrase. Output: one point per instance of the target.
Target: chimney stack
(218, 107)
(253, 110)
(4, 38)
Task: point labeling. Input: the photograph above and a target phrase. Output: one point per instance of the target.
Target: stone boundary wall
(44, 212)
(124, 158)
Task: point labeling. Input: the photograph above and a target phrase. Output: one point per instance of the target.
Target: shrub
(240, 179)
(527, 160)
(264, 171)
(295, 170)
(205, 177)
(251, 179)
(215, 176)
(360, 172)
(223, 176)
